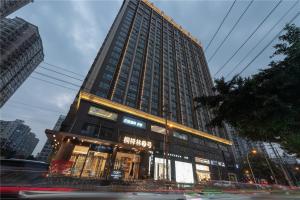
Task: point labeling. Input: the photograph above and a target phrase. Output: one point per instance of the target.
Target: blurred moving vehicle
(21, 171)
(17, 173)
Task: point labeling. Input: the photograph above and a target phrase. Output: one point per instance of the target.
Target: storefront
(160, 169)
(202, 172)
(88, 163)
(184, 172)
(109, 140)
(128, 164)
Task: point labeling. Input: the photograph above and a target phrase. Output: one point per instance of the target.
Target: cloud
(63, 100)
(85, 29)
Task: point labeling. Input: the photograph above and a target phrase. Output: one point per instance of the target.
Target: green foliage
(267, 104)
(261, 169)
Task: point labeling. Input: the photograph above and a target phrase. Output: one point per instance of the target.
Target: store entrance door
(88, 163)
(94, 165)
(129, 164)
(203, 173)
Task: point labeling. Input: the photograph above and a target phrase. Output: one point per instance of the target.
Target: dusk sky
(73, 31)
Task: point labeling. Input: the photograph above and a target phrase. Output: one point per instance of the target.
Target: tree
(261, 170)
(266, 105)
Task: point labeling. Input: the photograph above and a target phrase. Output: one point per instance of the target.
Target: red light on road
(18, 189)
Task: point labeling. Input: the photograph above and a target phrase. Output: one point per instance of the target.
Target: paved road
(261, 196)
(146, 196)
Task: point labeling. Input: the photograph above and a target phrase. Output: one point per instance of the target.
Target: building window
(106, 132)
(180, 136)
(90, 129)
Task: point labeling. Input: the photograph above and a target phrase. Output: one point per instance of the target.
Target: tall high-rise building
(135, 112)
(9, 6)
(17, 137)
(47, 149)
(21, 52)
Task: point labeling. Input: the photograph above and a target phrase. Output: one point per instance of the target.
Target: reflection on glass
(160, 169)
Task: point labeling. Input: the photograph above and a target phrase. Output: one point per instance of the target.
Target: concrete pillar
(111, 161)
(144, 165)
(65, 151)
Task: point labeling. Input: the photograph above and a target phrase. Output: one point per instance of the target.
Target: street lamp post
(269, 165)
(253, 177)
(281, 164)
(166, 140)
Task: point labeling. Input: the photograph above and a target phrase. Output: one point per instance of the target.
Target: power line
(64, 74)
(62, 68)
(224, 18)
(36, 107)
(258, 43)
(51, 70)
(277, 35)
(250, 36)
(236, 23)
(42, 74)
(46, 81)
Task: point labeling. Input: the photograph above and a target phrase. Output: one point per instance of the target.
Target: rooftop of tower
(169, 19)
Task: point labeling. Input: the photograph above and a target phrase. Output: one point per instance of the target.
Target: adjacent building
(242, 146)
(134, 116)
(47, 149)
(9, 6)
(17, 137)
(21, 52)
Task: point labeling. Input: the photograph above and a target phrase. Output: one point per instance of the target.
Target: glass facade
(21, 52)
(147, 70)
(153, 65)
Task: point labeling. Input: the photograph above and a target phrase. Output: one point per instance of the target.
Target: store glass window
(202, 172)
(87, 163)
(90, 129)
(184, 172)
(129, 164)
(160, 169)
(106, 132)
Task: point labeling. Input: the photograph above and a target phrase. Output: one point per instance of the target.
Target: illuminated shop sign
(134, 122)
(178, 156)
(202, 167)
(158, 129)
(137, 142)
(202, 160)
(214, 162)
(98, 112)
(184, 172)
(221, 164)
(116, 174)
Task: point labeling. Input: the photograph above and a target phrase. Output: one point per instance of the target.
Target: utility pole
(268, 163)
(253, 177)
(280, 163)
(272, 172)
(166, 140)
